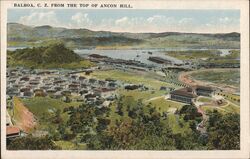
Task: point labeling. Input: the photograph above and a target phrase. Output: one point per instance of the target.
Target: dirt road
(22, 117)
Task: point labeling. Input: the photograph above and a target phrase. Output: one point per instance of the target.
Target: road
(154, 98)
(201, 126)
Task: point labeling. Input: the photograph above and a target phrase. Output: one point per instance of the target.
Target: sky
(196, 21)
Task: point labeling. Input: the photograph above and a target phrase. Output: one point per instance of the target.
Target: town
(79, 86)
(27, 83)
(121, 82)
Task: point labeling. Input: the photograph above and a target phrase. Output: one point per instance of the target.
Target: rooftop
(204, 88)
(12, 130)
(187, 92)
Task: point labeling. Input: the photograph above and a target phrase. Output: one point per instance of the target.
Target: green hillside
(22, 35)
(52, 56)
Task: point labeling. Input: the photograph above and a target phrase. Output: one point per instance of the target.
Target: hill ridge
(24, 35)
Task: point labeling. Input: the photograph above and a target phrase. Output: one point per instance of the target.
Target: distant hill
(46, 57)
(22, 35)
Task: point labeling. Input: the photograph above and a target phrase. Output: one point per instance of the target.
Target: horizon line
(183, 32)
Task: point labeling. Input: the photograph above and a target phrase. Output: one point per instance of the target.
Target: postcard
(124, 79)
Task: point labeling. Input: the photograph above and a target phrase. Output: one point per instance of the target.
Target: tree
(190, 112)
(32, 143)
(102, 124)
(82, 119)
(61, 129)
(57, 118)
(224, 131)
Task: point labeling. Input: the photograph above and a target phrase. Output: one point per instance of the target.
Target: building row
(189, 94)
(27, 83)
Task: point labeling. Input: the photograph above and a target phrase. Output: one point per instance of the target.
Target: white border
(243, 5)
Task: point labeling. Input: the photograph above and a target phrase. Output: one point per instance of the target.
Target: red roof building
(12, 132)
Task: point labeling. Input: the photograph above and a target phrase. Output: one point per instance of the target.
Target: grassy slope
(52, 56)
(129, 77)
(45, 107)
(18, 107)
(40, 105)
(163, 105)
(173, 41)
(232, 108)
(228, 108)
(145, 95)
(178, 125)
(228, 77)
(194, 41)
(193, 54)
(206, 56)
(205, 99)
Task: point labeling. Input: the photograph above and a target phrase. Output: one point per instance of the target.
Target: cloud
(185, 21)
(153, 23)
(160, 19)
(40, 18)
(225, 20)
(122, 21)
(81, 20)
(128, 24)
(221, 25)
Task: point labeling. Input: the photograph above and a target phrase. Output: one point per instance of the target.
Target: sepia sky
(198, 21)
